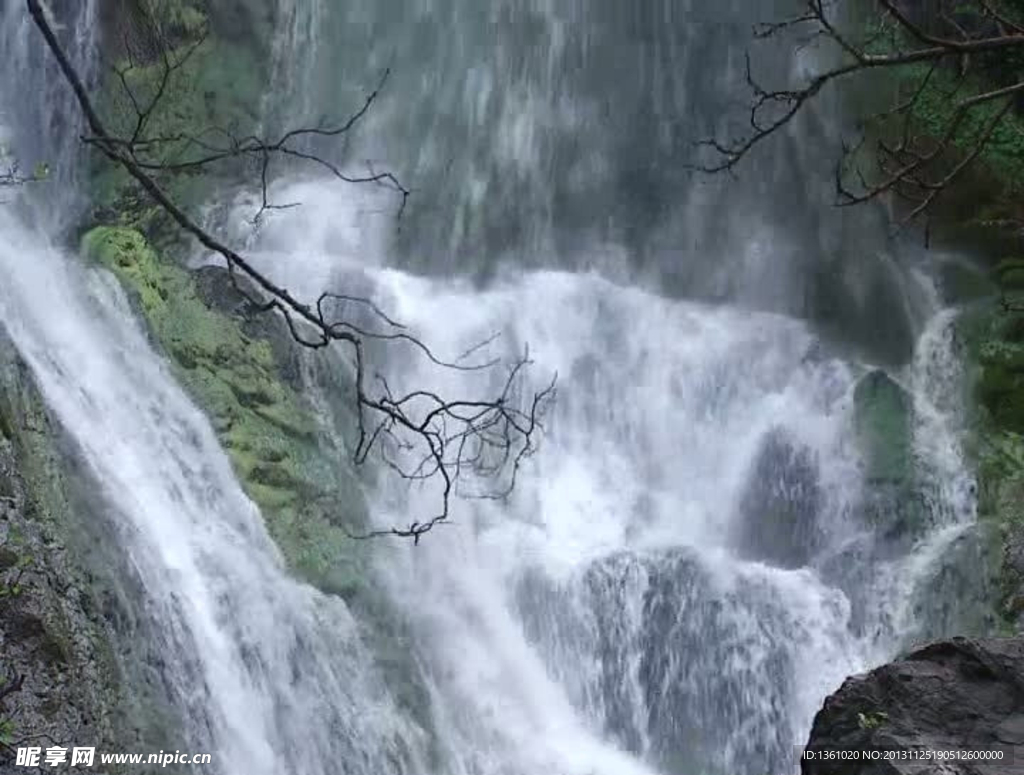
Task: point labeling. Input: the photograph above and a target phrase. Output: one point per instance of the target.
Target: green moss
(270, 435)
(872, 719)
(8, 731)
(217, 88)
(28, 429)
(999, 354)
(994, 350)
(214, 91)
(882, 416)
(178, 19)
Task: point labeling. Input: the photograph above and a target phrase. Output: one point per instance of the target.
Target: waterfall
(267, 673)
(39, 117)
(561, 135)
(686, 567)
(626, 592)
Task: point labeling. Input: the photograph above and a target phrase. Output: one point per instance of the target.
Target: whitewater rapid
(595, 622)
(617, 589)
(265, 671)
(622, 612)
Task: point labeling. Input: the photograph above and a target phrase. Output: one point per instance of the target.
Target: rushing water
(632, 608)
(38, 113)
(627, 589)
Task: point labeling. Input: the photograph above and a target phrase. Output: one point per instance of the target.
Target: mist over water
(635, 607)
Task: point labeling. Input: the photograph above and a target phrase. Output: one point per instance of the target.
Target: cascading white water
(267, 672)
(38, 114)
(619, 594)
(624, 613)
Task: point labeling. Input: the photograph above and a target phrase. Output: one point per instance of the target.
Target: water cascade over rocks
(745, 492)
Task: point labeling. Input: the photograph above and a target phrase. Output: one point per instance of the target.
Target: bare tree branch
(419, 434)
(909, 161)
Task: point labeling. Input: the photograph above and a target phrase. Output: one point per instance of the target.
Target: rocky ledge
(962, 695)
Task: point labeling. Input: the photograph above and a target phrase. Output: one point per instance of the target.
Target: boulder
(960, 695)
(895, 505)
(779, 510)
(882, 414)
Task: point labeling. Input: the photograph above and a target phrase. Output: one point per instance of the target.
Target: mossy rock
(882, 417)
(894, 504)
(291, 470)
(994, 354)
(1001, 392)
(215, 91)
(1001, 509)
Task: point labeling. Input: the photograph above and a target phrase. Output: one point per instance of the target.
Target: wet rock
(956, 594)
(882, 411)
(234, 296)
(861, 301)
(963, 281)
(956, 695)
(677, 670)
(778, 512)
(54, 637)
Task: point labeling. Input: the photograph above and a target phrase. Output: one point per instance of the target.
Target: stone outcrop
(961, 695)
(73, 651)
(779, 509)
(241, 369)
(283, 415)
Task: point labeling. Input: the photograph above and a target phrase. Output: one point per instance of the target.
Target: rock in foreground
(962, 695)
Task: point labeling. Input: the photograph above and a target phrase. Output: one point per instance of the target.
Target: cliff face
(963, 696)
(74, 663)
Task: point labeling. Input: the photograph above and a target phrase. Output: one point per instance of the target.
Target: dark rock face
(963, 695)
(780, 507)
(71, 646)
(678, 669)
(249, 21)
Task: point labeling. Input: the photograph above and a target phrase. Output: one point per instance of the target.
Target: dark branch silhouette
(894, 152)
(419, 434)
